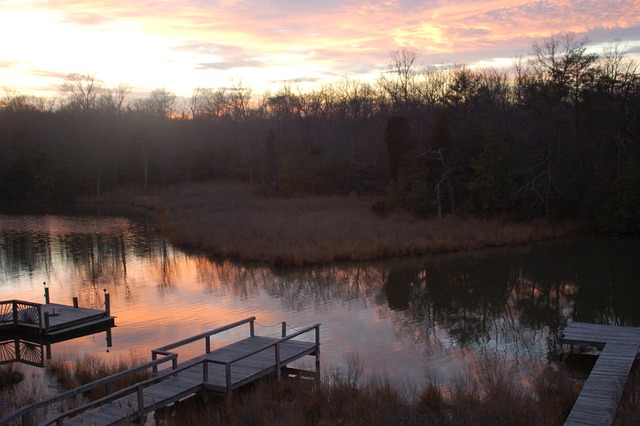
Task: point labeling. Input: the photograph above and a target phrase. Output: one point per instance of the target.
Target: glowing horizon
(184, 45)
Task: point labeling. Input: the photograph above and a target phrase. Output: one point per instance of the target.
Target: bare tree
(399, 79)
(83, 90)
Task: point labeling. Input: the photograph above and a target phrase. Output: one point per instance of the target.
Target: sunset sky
(182, 45)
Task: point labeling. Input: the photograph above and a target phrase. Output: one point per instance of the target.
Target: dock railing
(206, 336)
(26, 411)
(15, 313)
(277, 358)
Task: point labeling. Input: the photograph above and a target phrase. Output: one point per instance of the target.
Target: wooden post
(251, 329)
(107, 303)
(75, 302)
(278, 372)
(318, 353)
(140, 403)
(14, 306)
(46, 320)
(227, 369)
(284, 329)
(109, 339)
(207, 344)
(46, 294)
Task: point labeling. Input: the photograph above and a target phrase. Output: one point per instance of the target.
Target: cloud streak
(203, 43)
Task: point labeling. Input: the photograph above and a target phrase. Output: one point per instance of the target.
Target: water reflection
(402, 316)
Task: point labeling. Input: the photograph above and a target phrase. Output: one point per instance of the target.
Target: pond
(401, 318)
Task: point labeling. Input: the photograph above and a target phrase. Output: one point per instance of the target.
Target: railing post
(40, 317)
(318, 353)
(251, 328)
(278, 372)
(174, 365)
(75, 302)
(207, 344)
(205, 371)
(227, 368)
(14, 305)
(46, 320)
(107, 303)
(154, 369)
(284, 329)
(46, 294)
(140, 403)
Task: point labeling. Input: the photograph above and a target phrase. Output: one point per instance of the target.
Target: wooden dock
(28, 329)
(220, 371)
(52, 320)
(600, 395)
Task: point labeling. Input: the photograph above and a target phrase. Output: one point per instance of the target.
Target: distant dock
(220, 371)
(601, 393)
(23, 324)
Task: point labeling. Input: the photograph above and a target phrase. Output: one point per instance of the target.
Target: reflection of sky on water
(404, 318)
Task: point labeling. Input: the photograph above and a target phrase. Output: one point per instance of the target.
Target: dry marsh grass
(70, 374)
(229, 219)
(489, 396)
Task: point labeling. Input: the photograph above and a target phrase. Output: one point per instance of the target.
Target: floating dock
(26, 328)
(219, 371)
(51, 320)
(601, 393)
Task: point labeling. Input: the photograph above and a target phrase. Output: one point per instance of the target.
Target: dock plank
(601, 392)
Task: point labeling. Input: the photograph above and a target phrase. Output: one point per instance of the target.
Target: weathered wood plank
(600, 395)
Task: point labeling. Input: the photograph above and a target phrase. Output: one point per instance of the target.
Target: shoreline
(233, 220)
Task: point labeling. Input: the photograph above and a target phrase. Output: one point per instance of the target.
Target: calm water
(403, 318)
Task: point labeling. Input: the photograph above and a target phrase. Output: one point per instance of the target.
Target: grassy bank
(235, 220)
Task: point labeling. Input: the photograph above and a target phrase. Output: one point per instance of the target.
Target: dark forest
(556, 137)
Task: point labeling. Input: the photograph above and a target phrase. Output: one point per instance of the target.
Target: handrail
(290, 336)
(14, 313)
(84, 388)
(275, 344)
(206, 335)
(125, 391)
(203, 335)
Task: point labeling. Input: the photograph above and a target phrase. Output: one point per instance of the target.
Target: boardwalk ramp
(600, 395)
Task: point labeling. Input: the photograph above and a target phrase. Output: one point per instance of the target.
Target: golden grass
(229, 219)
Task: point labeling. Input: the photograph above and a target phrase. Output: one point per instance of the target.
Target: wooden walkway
(600, 395)
(220, 371)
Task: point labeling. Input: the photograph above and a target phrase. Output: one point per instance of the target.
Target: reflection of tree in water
(87, 254)
(297, 288)
(321, 286)
(512, 300)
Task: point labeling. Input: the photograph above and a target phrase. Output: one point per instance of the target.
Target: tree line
(556, 137)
